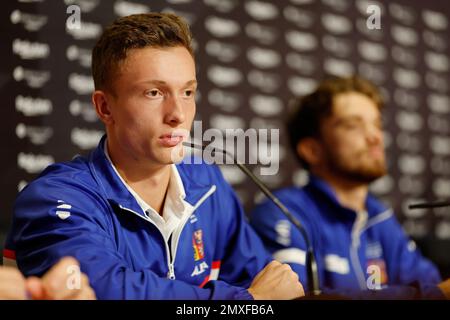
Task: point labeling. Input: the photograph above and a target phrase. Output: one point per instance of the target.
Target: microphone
(430, 205)
(310, 261)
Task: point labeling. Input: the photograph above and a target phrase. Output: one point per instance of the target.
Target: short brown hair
(157, 30)
(307, 113)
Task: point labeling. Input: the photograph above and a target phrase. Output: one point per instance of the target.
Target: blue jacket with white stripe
(352, 256)
(82, 209)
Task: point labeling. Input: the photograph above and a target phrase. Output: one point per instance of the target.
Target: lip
(171, 139)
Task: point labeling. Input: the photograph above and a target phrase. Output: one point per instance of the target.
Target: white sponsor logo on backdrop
(33, 106)
(33, 78)
(31, 22)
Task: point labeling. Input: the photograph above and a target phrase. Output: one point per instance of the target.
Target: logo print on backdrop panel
(404, 35)
(300, 86)
(225, 100)
(125, 8)
(81, 55)
(85, 139)
(304, 64)
(28, 50)
(267, 82)
(435, 20)
(410, 121)
(222, 28)
(403, 14)
(299, 17)
(30, 106)
(224, 77)
(372, 51)
(373, 72)
(439, 103)
(339, 46)
(443, 230)
(382, 186)
(301, 41)
(440, 145)
(85, 5)
(440, 165)
(260, 10)
(30, 22)
(434, 40)
(440, 188)
(224, 52)
(404, 56)
(36, 135)
(33, 163)
(263, 34)
(412, 164)
(224, 6)
(33, 78)
(263, 58)
(80, 83)
(338, 5)
(437, 82)
(338, 67)
(436, 61)
(87, 31)
(409, 142)
(408, 99)
(266, 106)
(439, 124)
(406, 78)
(336, 24)
(83, 109)
(410, 185)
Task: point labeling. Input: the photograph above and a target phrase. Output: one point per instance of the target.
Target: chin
(174, 155)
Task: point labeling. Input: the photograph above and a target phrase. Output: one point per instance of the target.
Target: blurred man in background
(336, 133)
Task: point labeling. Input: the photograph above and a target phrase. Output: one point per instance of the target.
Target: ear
(101, 102)
(310, 150)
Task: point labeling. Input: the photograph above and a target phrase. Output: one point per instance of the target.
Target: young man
(54, 285)
(141, 226)
(336, 132)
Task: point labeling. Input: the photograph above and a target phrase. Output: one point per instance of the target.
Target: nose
(374, 135)
(174, 112)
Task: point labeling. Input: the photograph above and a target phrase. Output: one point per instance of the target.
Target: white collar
(175, 192)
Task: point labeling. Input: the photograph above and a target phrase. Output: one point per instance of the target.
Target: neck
(351, 194)
(149, 181)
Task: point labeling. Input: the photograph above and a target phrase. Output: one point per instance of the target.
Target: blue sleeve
(406, 265)
(40, 239)
(244, 255)
(280, 236)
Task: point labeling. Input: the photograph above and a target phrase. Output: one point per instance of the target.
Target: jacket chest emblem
(197, 244)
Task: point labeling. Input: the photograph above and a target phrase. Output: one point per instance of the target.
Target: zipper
(358, 227)
(172, 251)
(177, 232)
(171, 273)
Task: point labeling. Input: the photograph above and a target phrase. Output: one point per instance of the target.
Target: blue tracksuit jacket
(352, 257)
(82, 209)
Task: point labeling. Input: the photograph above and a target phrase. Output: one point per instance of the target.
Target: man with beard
(336, 133)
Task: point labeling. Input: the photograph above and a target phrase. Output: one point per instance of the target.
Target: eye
(189, 93)
(153, 93)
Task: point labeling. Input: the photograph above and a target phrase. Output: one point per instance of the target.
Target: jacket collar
(117, 193)
(327, 194)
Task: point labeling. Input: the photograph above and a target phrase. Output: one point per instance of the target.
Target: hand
(12, 284)
(445, 288)
(62, 282)
(276, 282)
